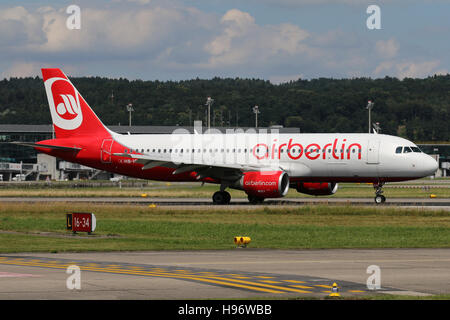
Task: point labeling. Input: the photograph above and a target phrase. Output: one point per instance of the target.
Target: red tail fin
(71, 114)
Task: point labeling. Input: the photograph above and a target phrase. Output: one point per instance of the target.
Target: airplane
(262, 164)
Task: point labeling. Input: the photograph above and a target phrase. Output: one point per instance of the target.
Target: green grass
(175, 190)
(31, 228)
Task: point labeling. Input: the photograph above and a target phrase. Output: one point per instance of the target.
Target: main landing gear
(379, 198)
(221, 197)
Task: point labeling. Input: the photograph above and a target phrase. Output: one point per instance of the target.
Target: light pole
(130, 109)
(256, 111)
(370, 105)
(209, 103)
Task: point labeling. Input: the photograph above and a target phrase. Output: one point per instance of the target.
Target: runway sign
(81, 222)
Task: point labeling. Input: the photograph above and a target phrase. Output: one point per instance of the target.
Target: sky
(275, 40)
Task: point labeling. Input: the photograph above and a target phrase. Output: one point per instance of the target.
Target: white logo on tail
(69, 105)
(67, 114)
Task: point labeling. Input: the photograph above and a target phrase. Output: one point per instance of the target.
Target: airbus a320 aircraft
(263, 165)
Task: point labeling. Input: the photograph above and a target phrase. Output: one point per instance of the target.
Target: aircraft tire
(380, 199)
(221, 197)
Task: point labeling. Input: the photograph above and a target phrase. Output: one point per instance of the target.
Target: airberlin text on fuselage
(260, 183)
(312, 151)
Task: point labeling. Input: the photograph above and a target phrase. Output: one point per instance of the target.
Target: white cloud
(167, 40)
(277, 79)
(242, 41)
(387, 49)
(298, 3)
(409, 69)
(20, 70)
(18, 27)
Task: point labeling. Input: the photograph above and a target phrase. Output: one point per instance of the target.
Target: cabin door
(105, 155)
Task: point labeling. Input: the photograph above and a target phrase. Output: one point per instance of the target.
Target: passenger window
(407, 150)
(398, 150)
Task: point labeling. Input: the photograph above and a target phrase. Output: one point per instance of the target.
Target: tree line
(417, 109)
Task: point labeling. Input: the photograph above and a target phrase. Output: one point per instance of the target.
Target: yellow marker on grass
(242, 241)
(335, 291)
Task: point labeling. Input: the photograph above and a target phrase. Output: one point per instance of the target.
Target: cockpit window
(416, 149)
(398, 150)
(407, 150)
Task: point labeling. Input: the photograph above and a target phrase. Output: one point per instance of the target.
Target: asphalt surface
(239, 273)
(206, 203)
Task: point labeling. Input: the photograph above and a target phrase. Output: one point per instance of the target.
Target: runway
(206, 203)
(241, 273)
(223, 274)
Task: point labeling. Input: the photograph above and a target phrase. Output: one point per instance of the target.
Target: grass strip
(41, 228)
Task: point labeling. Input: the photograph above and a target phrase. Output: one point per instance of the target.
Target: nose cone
(429, 166)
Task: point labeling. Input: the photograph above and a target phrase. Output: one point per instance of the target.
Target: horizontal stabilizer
(47, 146)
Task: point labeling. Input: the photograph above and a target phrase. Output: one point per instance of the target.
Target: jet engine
(265, 184)
(317, 188)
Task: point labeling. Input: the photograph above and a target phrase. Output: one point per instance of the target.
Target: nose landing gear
(379, 198)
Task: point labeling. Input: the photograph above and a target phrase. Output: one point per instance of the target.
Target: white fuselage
(337, 157)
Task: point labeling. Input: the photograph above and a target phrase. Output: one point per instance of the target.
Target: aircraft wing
(216, 170)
